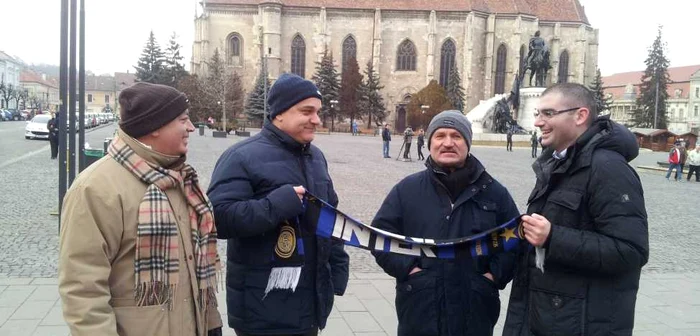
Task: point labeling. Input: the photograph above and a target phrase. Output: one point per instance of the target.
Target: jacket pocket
(485, 305)
(416, 305)
(142, 321)
(562, 207)
(557, 303)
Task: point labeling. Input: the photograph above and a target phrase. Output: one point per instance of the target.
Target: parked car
(37, 128)
(16, 114)
(5, 115)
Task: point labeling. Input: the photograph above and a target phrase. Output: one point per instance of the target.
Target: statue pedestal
(529, 97)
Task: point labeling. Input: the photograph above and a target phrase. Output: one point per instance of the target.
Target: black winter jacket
(386, 135)
(598, 242)
(448, 297)
(251, 190)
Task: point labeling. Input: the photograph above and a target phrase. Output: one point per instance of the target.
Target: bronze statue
(537, 60)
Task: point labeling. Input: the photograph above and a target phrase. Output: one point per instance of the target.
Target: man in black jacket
(588, 224)
(386, 138)
(453, 198)
(280, 278)
(52, 126)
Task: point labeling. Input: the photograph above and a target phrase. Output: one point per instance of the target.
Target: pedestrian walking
(509, 140)
(684, 157)
(52, 126)
(694, 163)
(674, 162)
(534, 143)
(354, 128)
(420, 143)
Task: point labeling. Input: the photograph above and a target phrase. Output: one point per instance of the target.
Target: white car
(37, 127)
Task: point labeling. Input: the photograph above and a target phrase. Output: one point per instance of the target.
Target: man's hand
(300, 192)
(415, 270)
(536, 229)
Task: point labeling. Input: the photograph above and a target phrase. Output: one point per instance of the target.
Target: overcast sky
(117, 30)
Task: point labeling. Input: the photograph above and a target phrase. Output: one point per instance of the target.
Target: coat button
(448, 217)
(409, 288)
(473, 189)
(556, 301)
(485, 207)
(484, 186)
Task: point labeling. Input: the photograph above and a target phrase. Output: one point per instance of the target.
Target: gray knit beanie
(451, 119)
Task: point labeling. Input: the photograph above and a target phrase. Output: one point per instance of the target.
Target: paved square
(668, 301)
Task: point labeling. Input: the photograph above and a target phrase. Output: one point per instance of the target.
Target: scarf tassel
(155, 293)
(283, 278)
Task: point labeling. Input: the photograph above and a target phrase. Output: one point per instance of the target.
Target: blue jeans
(386, 149)
(678, 171)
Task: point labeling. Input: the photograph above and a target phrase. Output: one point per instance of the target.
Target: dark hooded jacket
(448, 297)
(252, 192)
(597, 245)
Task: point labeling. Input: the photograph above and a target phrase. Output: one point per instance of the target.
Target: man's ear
(582, 116)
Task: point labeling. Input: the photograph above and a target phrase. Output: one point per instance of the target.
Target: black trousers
(54, 146)
(534, 151)
(509, 145)
(310, 333)
(407, 150)
(420, 153)
(695, 169)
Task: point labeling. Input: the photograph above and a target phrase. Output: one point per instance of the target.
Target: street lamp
(333, 103)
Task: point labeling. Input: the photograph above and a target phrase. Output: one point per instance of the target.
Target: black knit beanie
(146, 107)
(288, 90)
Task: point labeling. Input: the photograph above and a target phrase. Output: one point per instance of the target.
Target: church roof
(680, 79)
(545, 10)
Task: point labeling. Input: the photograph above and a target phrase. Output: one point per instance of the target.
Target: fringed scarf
(156, 263)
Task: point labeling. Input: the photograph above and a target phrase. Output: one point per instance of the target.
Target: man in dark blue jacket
(454, 197)
(280, 278)
(386, 138)
(587, 221)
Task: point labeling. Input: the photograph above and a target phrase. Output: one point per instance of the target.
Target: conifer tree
(174, 69)
(150, 67)
(255, 105)
(652, 90)
(371, 101)
(602, 102)
(326, 79)
(455, 91)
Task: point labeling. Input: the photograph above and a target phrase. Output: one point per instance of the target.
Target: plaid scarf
(156, 264)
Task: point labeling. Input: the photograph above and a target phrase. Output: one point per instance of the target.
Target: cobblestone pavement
(28, 233)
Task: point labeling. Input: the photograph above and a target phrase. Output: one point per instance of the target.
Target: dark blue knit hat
(288, 90)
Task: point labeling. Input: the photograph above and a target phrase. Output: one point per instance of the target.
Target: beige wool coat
(96, 257)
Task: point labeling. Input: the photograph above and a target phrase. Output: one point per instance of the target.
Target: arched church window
(406, 56)
(500, 79)
(235, 46)
(563, 67)
(447, 61)
(349, 50)
(298, 56)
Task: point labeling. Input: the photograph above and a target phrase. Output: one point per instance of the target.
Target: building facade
(42, 91)
(10, 70)
(409, 42)
(102, 92)
(682, 106)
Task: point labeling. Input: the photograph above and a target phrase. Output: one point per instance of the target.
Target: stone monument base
(529, 97)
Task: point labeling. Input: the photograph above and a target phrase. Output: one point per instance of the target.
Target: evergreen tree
(255, 105)
(326, 79)
(150, 66)
(349, 89)
(371, 101)
(655, 79)
(434, 96)
(455, 91)
(602, 102)
(174, 69)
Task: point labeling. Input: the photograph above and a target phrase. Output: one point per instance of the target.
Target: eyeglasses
(546, 113)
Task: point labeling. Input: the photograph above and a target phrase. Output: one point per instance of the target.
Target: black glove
(214, 332)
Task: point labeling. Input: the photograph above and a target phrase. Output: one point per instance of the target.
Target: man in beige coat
(138, 242)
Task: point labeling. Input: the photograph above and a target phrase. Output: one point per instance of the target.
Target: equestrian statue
(537, 60)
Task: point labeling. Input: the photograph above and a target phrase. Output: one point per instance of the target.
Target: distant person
(534, 143)
(509, 140)
(52, 126)
(684, 156)
(420, 143)
(386, 138)
(407, 139)
(354, 127)
(674, 162)
(694, 162)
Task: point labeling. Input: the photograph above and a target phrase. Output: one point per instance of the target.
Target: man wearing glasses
(587, 223)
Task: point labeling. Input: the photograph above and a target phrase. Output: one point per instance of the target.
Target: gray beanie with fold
(451, 119)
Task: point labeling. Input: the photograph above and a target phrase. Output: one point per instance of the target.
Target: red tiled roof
(27, 76)
(546, 10)
(680, 79)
